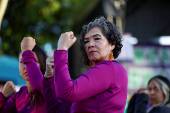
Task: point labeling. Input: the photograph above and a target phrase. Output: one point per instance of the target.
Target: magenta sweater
(53, 105)
(103, 89)
(20, 101)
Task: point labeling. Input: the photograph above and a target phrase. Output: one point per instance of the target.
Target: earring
(90, 64)
(111, 56)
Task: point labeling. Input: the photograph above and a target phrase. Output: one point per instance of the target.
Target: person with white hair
(154, 99)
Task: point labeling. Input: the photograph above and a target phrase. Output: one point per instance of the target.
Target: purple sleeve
(87, 85)
(7, 105)
(53, 105)
(34, 73)
(3, 100)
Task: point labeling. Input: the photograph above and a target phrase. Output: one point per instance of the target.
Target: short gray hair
(108, 29)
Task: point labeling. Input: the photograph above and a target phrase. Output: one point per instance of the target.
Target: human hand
(141, 90)
(49, 67)
(27, 43)
(66, 40)
(8, 89)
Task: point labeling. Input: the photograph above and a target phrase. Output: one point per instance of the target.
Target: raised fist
(8, 89)
(49, 67)
(141, 90)
(27, 43)
(66, 40)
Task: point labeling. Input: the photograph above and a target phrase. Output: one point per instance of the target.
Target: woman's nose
(152, 91)
(24, 66)
(91, 43)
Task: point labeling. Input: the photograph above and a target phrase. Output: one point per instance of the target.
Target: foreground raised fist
(8, 89)
(27, 43)
(66, 40)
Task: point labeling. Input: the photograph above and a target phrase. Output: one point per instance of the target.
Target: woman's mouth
(92, 52)
(25, 73)
(152, 98)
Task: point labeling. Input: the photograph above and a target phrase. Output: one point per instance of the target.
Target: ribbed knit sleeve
(53, 105)
(95, 81)
(34, 73)
(7, 105)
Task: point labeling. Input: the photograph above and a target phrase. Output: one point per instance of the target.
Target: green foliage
(43, 20)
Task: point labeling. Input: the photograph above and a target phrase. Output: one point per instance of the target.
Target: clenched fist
(27, 43)
(49, 67)
(66, 40)
(8, 89)
(141, 90)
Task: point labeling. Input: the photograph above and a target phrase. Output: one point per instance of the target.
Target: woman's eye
(97, 38)
(86, 41)
(155, 89)
(21, 61)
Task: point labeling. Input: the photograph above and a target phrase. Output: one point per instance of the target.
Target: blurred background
(144, 24)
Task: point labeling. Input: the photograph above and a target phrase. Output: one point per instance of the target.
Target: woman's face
(96, 46)
(155, 93)
(22, 66)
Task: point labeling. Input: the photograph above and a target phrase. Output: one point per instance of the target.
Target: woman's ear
(113, 45)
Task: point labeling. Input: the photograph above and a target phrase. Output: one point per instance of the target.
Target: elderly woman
(156, 99)
(103, 89)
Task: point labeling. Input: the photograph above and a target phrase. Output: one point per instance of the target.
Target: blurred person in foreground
(102, 89)
(154, 99)
(29, 99)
